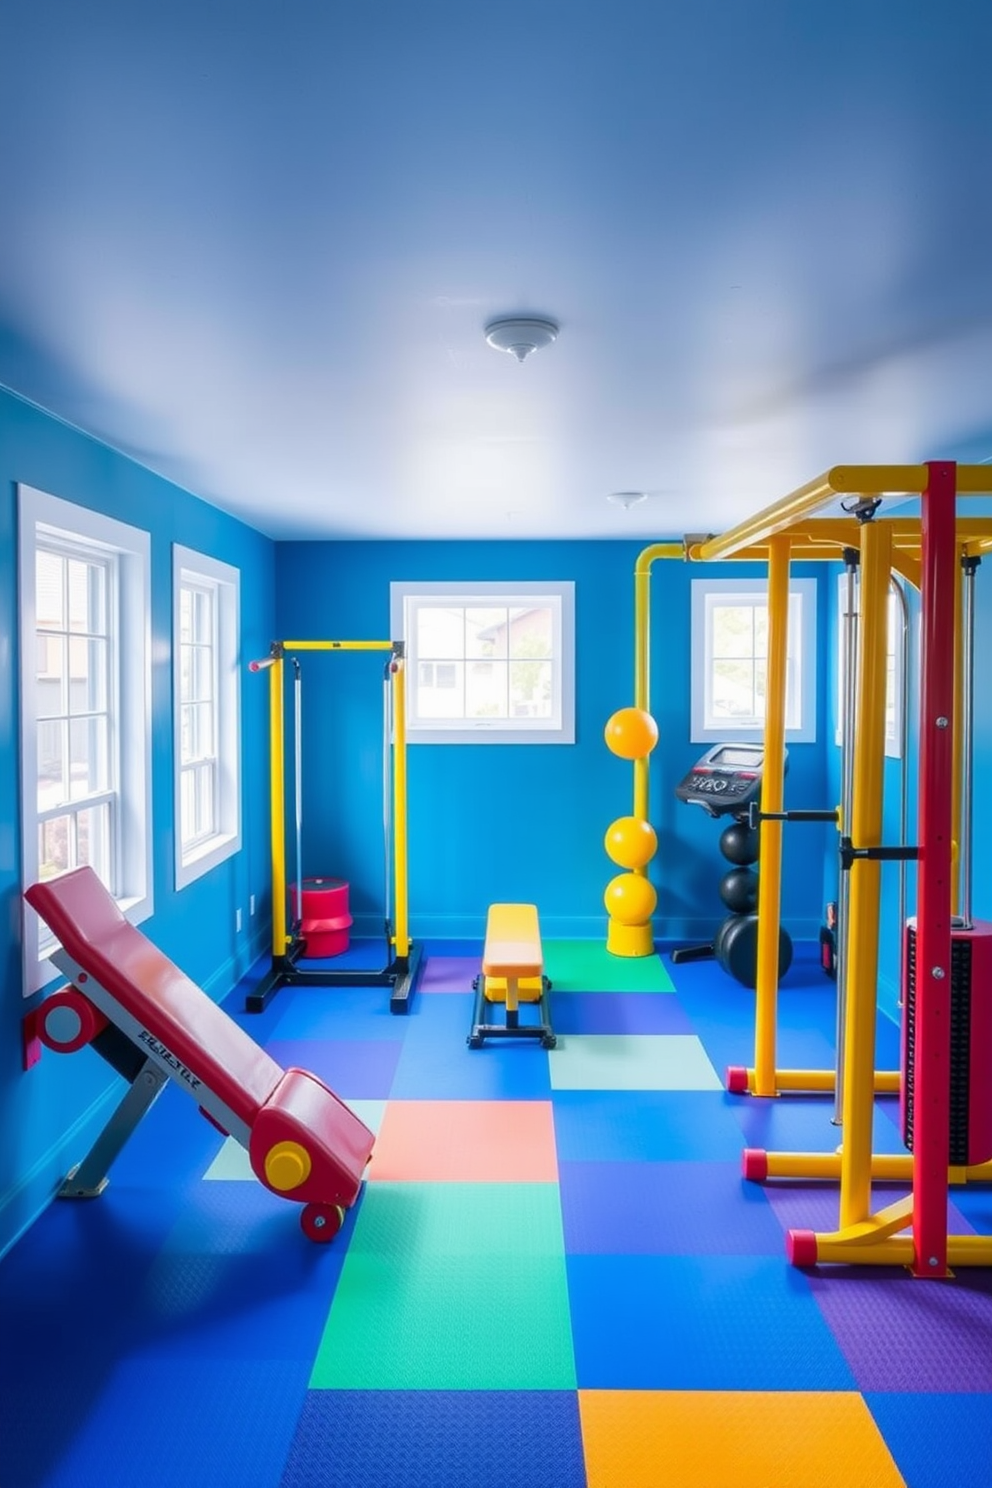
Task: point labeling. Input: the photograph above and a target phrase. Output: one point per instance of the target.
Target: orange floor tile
(459, 1141)
(723, 1439)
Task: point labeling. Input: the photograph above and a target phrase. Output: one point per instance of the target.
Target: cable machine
(403, 957)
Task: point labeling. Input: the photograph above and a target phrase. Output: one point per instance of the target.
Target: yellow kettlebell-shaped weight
(631, 733)
(631, 841)
(287, 1165)
(630, 899)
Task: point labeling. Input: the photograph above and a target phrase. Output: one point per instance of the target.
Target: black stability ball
(739, 843)
(739, 890)
(736, 948)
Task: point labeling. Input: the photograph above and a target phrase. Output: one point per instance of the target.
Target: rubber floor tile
(699, 1323)
(723, 1439)
(645, 1126)
(495, 1222)
(664, 1208)
(901, 1333)
(355, 1069)
(437, 1439)
(587, 966)
(431, 1141)
(158, 1423)
(938, 1441)
(617, 1012)
(448, 974)
(429, 1321)
(315, 1013)
(631, 1061)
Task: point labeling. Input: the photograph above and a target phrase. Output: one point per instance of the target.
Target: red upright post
(931, 1105)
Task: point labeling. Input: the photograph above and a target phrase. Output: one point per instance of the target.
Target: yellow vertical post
(401, 928)
(277, 813)
(865, 882)
(772, 796)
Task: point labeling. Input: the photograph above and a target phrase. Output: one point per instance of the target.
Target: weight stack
(970, 1135)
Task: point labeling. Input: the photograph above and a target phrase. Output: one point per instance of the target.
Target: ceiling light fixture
(520, 335)
(627, 499)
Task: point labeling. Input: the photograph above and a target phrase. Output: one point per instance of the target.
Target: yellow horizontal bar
(337, 645)
(898, 480)
(886, 1167)
(840, 480)
(897, 1250)
(886, 1081)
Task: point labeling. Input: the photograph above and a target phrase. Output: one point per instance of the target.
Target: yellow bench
(512, 973)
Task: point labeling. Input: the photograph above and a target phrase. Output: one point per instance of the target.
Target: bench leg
(88, 1179)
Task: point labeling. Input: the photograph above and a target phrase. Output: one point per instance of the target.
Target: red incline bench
(152, 1024)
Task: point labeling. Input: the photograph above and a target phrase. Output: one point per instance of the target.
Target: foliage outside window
(730, 660)
(487, 662)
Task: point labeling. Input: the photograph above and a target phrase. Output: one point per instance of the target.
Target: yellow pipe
(337, 645)
(885, 1167)
(897, 1250)
(772, 519)
(886, 1082)
(642, 655)
(277, 815)
(772, 796)
(866, 831)
(841, 480)
(402, 932)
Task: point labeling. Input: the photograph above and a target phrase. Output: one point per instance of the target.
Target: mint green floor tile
(231, 1164)
(498, 1222)
(631, 1061)
(441, 1322)
(587, 966)
(451, 1287)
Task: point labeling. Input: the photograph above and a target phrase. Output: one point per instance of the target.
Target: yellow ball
(630, 899)
(631, 733)
(631, 841)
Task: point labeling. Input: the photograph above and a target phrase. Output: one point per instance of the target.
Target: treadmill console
(725, 780)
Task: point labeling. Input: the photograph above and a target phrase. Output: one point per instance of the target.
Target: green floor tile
(495, 1221)
(451, 1287)
(587, 966)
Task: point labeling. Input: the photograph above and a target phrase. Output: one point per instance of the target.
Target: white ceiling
(254, 244)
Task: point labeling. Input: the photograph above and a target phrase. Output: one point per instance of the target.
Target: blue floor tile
(699, 1323)
(645, 1126)
(938, 1441)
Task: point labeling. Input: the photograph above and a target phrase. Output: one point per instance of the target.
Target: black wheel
(474, 1041)
(549, 1041)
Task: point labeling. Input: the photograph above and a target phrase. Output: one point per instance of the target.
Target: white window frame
(895, 702)
(406, 597)
(43, 517)
(197, 570)
(707, 594)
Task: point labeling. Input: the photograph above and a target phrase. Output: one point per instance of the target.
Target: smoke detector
(520, 335)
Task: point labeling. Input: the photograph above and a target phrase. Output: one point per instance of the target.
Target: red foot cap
(754, 1164)
(737, 1082)
(800, 1247)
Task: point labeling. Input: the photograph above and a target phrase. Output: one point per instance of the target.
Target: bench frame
(513, 962)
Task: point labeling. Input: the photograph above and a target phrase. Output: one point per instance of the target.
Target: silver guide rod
(849, 695)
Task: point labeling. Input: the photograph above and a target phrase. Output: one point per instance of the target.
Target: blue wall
(49, 1113)
(492, 821)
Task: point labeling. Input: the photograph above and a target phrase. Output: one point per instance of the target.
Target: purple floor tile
(353, 1068)
(901, 1333)
(617, 1012)
(448, 974)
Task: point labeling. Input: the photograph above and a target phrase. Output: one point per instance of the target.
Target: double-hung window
(487, 663)
(206, 712)
(85, 707)
(730, 660)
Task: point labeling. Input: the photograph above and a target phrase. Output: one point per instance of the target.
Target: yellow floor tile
(732, 1439)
